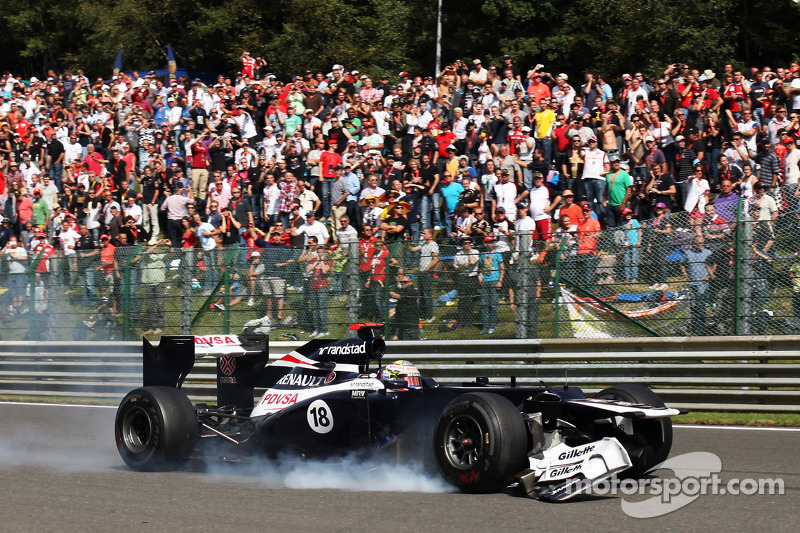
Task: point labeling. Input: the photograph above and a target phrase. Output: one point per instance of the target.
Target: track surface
(60, 471)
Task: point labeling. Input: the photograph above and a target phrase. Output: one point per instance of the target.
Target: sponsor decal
(212, 340)
(367, 384)
(320, 417)
(279, 399)
(469, 478)
(228, 380)
(330, 378)
(457, 409)
(227, 364)
(358, 394)
(300, 380)
(563, 470)
(347, 349)
(576, 452)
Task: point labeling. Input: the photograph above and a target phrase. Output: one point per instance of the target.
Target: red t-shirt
(539, 91)
(93, 162)
(199, 156)
(329, 160)
(734, 90)
(709, 97)
(107, 258)
(687, 100)
(247, 67)
(514, 138)
(366, 249)
(443, 140)
(24, 130)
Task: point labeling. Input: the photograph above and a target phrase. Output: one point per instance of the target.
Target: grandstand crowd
(474, 154)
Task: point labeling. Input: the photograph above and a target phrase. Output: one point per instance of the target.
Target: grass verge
(717, 418)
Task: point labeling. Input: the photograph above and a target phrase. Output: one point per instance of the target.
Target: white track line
(60, 405)
(677, 426)
(742, 428)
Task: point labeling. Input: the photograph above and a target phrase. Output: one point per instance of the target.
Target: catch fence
(655, 280)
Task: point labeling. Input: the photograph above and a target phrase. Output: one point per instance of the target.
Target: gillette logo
(577, 452)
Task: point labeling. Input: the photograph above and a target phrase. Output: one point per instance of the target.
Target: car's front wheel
(156, 428)
(480, 442)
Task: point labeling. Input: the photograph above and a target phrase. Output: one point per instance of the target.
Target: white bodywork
(627, 408)
(571, 471)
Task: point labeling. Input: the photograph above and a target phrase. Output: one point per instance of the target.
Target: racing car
(332, 398)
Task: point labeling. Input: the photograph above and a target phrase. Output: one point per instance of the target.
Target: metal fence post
(186, 300)
(351, 285)
(32, 290)
(737, 271)
(523, 265)
(126, 293)
(557, 289)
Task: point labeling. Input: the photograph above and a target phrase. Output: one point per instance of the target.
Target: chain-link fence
(674, 275)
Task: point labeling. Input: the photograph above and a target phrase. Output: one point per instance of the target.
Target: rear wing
(241, 364)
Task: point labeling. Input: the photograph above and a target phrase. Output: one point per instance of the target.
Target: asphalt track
(60, 472)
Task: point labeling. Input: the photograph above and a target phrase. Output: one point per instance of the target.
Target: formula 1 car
(333, 398)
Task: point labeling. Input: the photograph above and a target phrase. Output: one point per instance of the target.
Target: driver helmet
(403, 370)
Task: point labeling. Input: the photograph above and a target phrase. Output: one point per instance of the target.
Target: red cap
(103, 236)
(627, 211)
(489, 238)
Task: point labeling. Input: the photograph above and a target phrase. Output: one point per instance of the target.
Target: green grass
(740, 419)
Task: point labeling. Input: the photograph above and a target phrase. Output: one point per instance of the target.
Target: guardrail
(700, 373)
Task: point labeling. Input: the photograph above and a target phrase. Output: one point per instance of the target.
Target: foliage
(614, 36)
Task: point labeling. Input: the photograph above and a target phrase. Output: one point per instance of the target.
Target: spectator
(87, 252)
(428, 259)
(153, 281)
(588, 235)
(698, 273)
(206, 235)
(312, 227)
(696, 197)
(490, 276)
(767, 207)
(657, 238)
(317, 266)
(405, 321)
(631, 241)
(17, 263)
(280, 259)
(617, 193)
(175, 207)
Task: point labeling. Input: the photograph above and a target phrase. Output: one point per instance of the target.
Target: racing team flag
(118, 63)
(171, 66)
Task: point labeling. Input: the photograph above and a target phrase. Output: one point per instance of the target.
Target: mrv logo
(348, 349)
(577, 452)
(301, 380)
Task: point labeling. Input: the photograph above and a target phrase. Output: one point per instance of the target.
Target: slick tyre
(156, 428)
(651, 441)
(480, 442)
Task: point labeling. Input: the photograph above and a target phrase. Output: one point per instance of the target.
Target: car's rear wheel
(480, 442)
(156, 428)
(651, 441)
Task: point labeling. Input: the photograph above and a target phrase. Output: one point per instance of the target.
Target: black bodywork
(397, 419)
